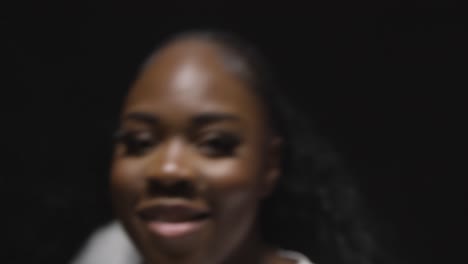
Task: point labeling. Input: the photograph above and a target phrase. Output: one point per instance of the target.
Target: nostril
(172, 188)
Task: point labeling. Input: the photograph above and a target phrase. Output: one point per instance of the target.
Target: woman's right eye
(135, 143)
(219, 145)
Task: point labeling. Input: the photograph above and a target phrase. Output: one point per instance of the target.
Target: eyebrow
(209, 118)
(198, 120)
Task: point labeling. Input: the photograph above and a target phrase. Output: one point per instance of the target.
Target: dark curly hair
(315, 207)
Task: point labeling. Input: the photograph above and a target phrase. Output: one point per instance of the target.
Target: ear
(273, 165)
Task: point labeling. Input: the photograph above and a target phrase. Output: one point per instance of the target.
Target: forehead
(192, 74)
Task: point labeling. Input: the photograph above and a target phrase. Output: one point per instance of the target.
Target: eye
(219, 144)
(134, 142)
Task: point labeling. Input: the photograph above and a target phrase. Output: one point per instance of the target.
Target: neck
(252, 250)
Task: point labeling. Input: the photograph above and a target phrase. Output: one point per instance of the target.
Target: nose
(170, 165)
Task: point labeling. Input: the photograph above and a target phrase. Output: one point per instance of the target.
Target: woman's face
(193, 158)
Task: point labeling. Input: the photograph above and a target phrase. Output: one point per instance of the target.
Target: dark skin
(194, 132)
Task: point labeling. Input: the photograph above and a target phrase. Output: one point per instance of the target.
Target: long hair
(315, 207)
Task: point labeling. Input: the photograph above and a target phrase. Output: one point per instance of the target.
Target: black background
(385, 86)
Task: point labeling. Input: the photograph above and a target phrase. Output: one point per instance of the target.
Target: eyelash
(220, 144)
(135, 144)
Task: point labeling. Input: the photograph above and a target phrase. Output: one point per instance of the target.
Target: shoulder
(108, 244)
(294, 255)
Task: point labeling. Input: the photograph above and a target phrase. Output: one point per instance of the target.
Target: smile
(174, 230)
(173, 219)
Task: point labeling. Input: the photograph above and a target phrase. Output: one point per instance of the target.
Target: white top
(110, 244)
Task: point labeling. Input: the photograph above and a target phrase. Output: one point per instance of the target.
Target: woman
(210, 167)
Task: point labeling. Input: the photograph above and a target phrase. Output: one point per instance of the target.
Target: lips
(171, 219)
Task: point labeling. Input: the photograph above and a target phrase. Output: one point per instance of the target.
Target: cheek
(241, 173)
(234, 196)
(124, 172)
(125, 183)
(233, 185)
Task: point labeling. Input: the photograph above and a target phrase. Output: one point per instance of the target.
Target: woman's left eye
(220, 145)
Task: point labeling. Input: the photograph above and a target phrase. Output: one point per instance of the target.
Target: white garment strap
(300, 258)
(110, 244)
